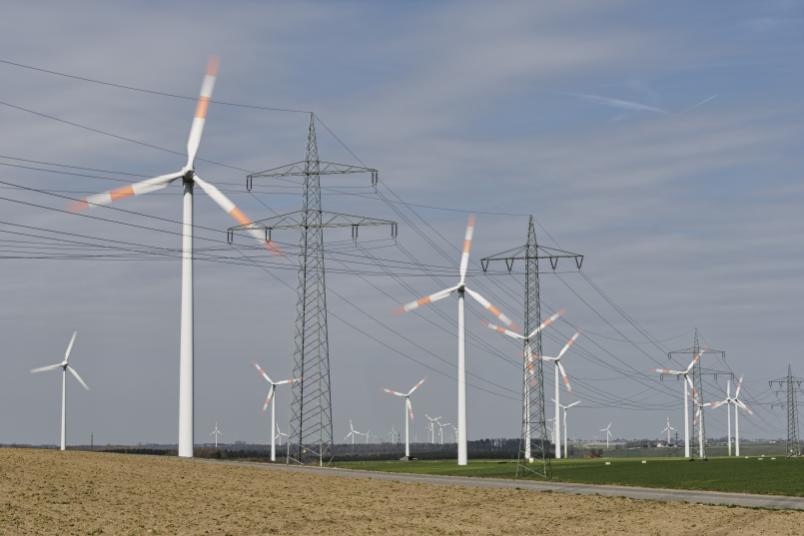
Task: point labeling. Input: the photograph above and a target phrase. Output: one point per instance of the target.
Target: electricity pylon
(534, 442)
(791, 385)
(698, 372)
(311, 433)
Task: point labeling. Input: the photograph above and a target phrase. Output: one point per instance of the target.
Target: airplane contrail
(699, 104)
(619, 103)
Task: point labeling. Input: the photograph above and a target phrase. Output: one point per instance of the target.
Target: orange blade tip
(78, 206)
(213, 65)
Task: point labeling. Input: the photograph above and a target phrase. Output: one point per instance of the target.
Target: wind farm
(603, 187)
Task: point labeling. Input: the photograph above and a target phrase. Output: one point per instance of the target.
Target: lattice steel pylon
(311, 431)
(698, 372)
(791, 385)
(533, 455)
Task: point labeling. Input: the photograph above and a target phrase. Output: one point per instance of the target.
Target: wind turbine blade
(739, 386)
(392, 392)
(197, 128)
(283, 382)
(742, 405)
(269, 397)
(693, 391)
(669, 371)
(546, 323)
(489, 307)
(48, 367)
(694, 360)
(715, 405)
(564, 376)
(504, 331)
(70, 347)
(264, 374)
(410, 408)
(573, 404)
(416, 386)
(77, 377)
(440, 295)
(138, 188)
(229, 207)
(467, 247)
(569, 343)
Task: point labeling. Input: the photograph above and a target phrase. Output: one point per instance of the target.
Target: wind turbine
(407, 410)
(189, 178)
(271, 399)
(431, 426)
(565, 408)
(64, 366)
(216, 433)
(669, 429)
(607, 429)
(441, 427)
(352, 433)
(687, 385)
(461, 289)
(528, 354)
(559, 368)
(280, 434)
(738, 404)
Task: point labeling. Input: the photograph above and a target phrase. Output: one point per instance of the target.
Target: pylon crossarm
(296, 220)
(302, 169)
(520, 253)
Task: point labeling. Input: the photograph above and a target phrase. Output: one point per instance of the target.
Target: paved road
(653, 494)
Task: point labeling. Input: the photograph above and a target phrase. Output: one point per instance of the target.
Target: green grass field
(780, 476)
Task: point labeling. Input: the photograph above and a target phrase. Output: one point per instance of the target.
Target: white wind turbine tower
(559, 368)
(685, 374)
(216, 432)
(352, 433)
(528, 355)
(698, 410)
(271, 399)
(668, 429)
(407, 410)
(461, 289)
(280, 434)
(189, 178)
(441, 427)
(738, 404)
(431, 426)
(565, 408)
(64, 366)
(607, 429)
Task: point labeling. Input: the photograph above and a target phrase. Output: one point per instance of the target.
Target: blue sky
(660, 140)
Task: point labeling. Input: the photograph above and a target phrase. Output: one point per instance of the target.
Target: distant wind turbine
(64, 366)
(431, 426)
(216, 432)
(565, 408)
(461, 290)
(407, 410)
(685, 374)
(607, 429)
(738, 404)
(271, 399)
(557, 400)
(528, 358)
(668, 429)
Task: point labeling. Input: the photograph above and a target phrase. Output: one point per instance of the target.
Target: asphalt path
(632, 492)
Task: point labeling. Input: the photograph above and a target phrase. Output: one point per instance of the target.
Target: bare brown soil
(51, 492)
